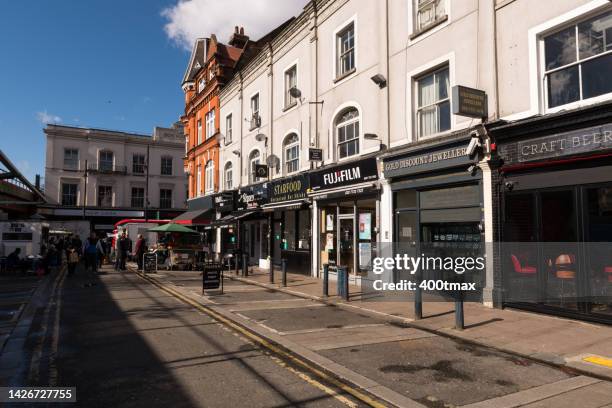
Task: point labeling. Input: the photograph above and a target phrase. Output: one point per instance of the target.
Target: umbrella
(173, 228)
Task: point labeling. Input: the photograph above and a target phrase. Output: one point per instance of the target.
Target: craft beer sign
(469, 102)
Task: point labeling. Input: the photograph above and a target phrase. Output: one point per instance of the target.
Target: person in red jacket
(139, 250)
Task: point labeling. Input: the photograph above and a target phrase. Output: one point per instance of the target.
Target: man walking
(123, 248)
(139, 250)
(90, 250)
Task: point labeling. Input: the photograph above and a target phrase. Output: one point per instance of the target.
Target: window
(291, 149)
(199, 181)
(106, 161)
(69, 194)
(201, 84)
(345, 51)
(428, 13)
(228, 176)
(210, 124)
(578, 61)
(211, 72)
(166, 166)
(199, 131)
(347, 133)
(105, 196)
(138, 194)
(433, 112)
(165, 198)
(255, 119)
(290, 82)
(71, 159)
(254, 158)
(209, 177)
(138, 164)
(228, 129)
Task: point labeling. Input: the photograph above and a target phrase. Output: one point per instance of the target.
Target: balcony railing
(106, 168)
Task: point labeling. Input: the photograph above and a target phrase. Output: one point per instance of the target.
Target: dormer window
(211, 73)
(201, 84)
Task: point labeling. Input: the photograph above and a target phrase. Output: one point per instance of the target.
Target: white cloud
(191, 19)
(45, 117)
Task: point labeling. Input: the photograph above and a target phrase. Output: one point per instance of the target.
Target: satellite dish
(260, 137)
(294, 92)
(273, 161)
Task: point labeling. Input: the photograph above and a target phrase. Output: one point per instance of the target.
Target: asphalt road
(124, 343)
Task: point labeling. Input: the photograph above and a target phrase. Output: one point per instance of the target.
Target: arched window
(254, 158)
(291, 153)
(209, 177)
(347, 133)
(228, 176)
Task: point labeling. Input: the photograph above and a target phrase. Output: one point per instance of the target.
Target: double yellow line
(356, 393)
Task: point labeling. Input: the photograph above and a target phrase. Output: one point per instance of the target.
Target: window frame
(209, 179)
(252, 162)
(255, 114)
(99, 197)
(165, 202)
(63, 194)
(199, 132)
(336, 74)
(134, 197)
(417, 108)
(75, 166)
(210, 123)
(100, 161)
(199, 181)
(229, 168)
(544, 73)
(162, 167)
(290, 101)
(292, 145)
(337, 125)
(229, 128)
(134, 164)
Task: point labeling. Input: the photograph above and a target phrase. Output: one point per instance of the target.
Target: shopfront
(345, 228)
(252, 223)
(436, 199)
(288, 210)
(556, 213)
(225, 224)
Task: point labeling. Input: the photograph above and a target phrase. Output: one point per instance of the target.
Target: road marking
(602, 361)
(274, 349)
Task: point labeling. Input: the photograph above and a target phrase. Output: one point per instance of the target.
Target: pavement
(388, 356)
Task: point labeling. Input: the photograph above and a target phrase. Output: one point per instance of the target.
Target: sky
(112, 64)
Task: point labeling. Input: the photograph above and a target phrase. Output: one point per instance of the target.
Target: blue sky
(114, 64)
(103, 64)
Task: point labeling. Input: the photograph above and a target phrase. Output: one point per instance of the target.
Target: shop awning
(286, 205)
(224, 221)
(195, 217)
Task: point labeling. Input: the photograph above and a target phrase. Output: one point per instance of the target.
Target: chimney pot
(241, 30)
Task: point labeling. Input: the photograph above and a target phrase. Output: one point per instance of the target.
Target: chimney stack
(238, 39)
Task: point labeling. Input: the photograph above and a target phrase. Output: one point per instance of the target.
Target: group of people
(123, 248)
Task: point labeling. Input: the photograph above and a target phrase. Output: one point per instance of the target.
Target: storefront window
(289, 238)
(304, 231)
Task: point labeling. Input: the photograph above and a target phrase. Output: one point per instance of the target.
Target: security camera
(472, 169)
(474, 144)
(509, 185)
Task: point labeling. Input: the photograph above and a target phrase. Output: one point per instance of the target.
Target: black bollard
(346, 284)
(459, 320)
(245, 265)
(284, 271)
(271, 271)
(326, 280)
(418, 304)
(236, 261)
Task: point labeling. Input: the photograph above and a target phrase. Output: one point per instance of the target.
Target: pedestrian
(73, 260)
(77, 244)
(90, 251)
(123, 247)
(100, 253)
(139, 251)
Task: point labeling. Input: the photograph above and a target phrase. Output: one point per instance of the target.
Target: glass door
(346, 242)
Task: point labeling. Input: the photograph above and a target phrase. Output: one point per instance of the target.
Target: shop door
(346, 242)
(406, 236)
(276, 239)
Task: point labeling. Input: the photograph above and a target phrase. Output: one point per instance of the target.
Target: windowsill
(251, 128)
(428, 27)
(434, 135)
(345, 75)
(289, 107)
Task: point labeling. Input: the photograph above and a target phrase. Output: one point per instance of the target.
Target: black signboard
(149, 262)
(344, 175)
(225, 201)
(469, 102)
(261, 171)
(287, 189)
(212, 276)
(251, 197)
(589, 140)
(424, 161)
(315, 154)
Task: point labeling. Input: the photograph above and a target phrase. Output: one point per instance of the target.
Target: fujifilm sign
(340, 176)
(345, 175)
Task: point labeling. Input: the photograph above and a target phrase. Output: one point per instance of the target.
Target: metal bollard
(236, 262)
(346, 284)
(326, 280)
(245, 265)
(459, 318)
(284, 271)
(271, 270)
(342, 283)
(418, 304)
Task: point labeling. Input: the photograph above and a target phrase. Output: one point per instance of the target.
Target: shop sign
(448, 157)
(344, 175)
(594, 139)
(315, 154)
(469, 102)
(251, 197)
(287, 189)
(225, 201)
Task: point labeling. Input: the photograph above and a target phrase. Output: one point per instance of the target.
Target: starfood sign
(348, 174)
(590, 140)
(425, 162)
(292, 188)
